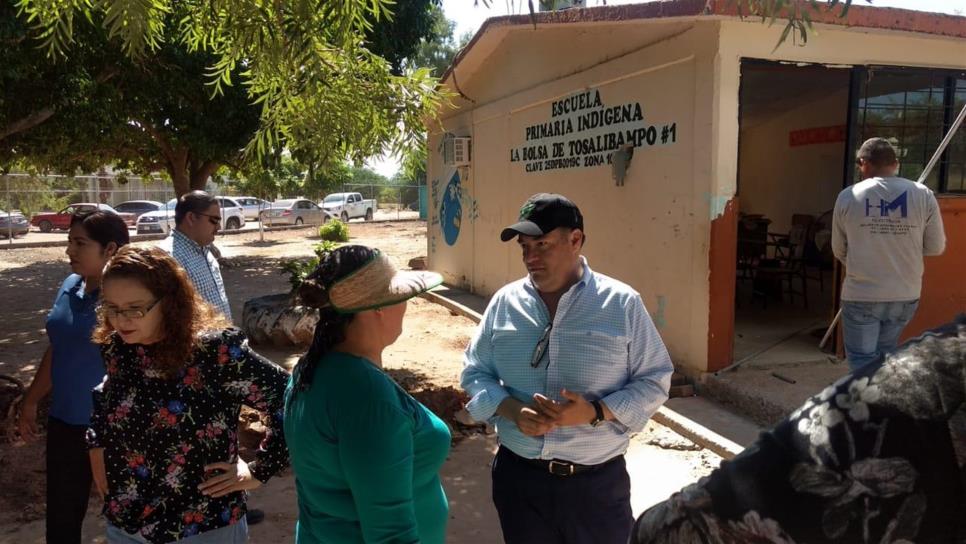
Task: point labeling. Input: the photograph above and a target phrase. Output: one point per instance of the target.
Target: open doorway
(791, 166)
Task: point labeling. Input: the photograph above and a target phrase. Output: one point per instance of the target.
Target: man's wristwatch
(598, 413)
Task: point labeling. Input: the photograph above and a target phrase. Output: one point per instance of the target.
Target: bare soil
(426, 360)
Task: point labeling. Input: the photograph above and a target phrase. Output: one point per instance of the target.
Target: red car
(49, 221)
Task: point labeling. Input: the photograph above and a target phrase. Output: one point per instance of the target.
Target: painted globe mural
(451, 211)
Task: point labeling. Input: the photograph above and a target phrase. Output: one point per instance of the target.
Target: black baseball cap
(542, 213)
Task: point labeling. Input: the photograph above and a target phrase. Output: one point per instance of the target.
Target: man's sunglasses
(213, 219)
(541, 348)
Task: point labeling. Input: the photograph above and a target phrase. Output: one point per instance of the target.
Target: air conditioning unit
(456, 152)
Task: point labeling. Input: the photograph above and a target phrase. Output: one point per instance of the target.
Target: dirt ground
(427, 359)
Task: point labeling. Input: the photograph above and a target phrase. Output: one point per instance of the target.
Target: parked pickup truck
(348, 206)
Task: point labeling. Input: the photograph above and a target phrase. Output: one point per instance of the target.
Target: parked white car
(162, 221)
(232, 213)
(252, 206)
(158, 222)
(348, 206)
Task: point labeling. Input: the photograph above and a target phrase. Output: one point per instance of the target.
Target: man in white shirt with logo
(882, 227)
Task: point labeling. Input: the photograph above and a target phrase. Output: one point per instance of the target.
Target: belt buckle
(568, 468)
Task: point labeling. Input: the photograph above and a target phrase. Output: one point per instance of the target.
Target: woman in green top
(366, 455)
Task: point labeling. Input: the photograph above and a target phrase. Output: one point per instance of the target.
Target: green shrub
(326, 246)
(298, 269)
(334, 230)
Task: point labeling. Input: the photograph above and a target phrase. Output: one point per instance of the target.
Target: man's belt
(561, 468)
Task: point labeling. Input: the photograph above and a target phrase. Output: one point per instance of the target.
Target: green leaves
(321, 92)
(136, 24)
(797, 15)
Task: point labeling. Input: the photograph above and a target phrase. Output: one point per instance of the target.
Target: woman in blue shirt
(366, 454)
(71, 367)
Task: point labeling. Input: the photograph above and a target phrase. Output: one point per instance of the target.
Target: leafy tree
(413, 166)
(328, 179)
(320, 92)
(287, 178)
(152, 116)
(437, 53)
(438, 50)
(363, 175)
(34, 90)
(400, 38)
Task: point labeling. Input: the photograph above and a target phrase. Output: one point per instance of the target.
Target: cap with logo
(542, 213)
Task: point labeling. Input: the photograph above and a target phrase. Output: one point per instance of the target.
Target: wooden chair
(781, 273)
(752, 245)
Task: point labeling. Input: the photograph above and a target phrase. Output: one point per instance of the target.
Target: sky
(469, 18)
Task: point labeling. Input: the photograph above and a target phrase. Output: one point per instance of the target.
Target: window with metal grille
(914, 108)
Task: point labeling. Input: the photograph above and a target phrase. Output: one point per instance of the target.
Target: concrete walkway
(768, 394)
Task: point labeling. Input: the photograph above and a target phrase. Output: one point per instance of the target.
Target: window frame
(951, 82)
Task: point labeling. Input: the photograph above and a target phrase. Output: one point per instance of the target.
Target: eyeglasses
(213, 219)
(541, 348)
(131, 313)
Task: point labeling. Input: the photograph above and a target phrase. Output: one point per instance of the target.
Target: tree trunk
(187, 173)
(200, 174)
(179, 177)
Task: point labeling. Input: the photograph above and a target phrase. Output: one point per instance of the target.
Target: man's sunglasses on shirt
(541, 348)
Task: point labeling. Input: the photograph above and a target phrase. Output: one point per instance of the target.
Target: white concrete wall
(652, 232)
(778, 179)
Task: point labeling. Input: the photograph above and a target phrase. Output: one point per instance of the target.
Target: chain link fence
(395, 202)
(34, 194)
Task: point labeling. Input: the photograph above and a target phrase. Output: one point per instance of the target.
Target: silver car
(293, 211)
(139, 207)
(13, 224)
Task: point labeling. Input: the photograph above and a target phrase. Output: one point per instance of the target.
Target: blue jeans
(232, 534)
(872, 329)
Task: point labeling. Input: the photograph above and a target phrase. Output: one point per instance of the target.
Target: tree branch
(27, 122)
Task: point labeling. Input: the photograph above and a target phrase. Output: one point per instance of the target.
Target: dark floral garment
(158, 434)
(878, 457)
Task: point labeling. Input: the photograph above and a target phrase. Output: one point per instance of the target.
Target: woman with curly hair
(69, 369)
(164, 448)
(366, 454)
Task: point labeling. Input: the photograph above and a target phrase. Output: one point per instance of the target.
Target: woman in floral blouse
(164, 448)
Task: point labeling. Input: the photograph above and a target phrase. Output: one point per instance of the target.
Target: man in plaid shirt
(197, 219)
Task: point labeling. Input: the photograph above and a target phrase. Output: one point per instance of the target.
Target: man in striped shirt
(567, 364)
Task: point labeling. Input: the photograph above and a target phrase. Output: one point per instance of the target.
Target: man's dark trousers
(535, 506)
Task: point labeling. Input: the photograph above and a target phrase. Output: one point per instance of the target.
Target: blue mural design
(451, 210)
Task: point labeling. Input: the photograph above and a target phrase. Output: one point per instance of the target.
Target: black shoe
(255, 516)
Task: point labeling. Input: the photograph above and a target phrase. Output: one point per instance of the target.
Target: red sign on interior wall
(820, 135)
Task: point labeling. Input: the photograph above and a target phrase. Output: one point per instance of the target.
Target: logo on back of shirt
(886, 207)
